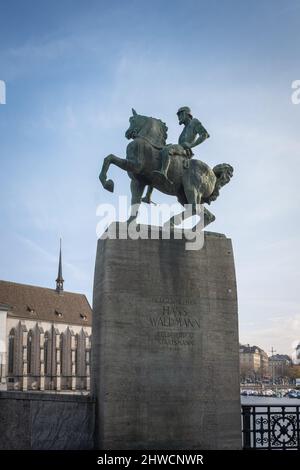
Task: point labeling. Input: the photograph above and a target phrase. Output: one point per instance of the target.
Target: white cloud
(281, 332)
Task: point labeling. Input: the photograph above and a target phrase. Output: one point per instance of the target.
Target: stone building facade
(253, 361)
(279, 365)
(45, 338)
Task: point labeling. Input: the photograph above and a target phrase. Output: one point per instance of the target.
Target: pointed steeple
(59, 280)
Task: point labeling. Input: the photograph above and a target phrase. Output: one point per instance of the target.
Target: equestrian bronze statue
(151, 162)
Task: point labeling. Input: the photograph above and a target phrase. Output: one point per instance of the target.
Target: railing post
(246, 426)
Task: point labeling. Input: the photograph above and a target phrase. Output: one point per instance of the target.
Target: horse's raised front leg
(113, 160)
(137, 189)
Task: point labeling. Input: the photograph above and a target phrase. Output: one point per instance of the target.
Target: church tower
(59, 280)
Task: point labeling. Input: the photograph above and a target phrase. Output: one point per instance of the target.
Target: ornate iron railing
(268, 427)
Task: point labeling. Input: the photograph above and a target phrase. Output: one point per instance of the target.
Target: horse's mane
(164, 128)
(160, 129)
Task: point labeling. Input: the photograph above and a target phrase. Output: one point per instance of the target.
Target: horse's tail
(224, 173)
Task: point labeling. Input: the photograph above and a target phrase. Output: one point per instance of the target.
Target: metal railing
(266, 427)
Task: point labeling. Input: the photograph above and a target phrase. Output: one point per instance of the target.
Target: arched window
(11, 351)
(61, 344)
(29, 351)
(77, 353)
(47, 352)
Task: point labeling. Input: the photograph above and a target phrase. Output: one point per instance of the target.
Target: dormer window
(30, 309)
(83, 316)
(58, 314)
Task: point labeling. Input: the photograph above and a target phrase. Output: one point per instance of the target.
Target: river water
(272, 401)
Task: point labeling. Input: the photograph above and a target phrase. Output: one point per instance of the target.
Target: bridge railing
(266, 427)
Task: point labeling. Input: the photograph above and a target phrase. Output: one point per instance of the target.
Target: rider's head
(184, 114)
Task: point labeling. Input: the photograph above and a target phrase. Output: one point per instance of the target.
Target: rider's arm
(202, 134)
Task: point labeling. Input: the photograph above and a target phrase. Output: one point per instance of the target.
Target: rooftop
(280, 357)
(246, 348)
(44, 304)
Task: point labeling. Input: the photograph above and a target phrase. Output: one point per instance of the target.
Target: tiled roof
(250, 349)
(280, 357)
(42, 304)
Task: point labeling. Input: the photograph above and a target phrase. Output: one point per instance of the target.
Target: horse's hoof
(109, 186)
(131, 219)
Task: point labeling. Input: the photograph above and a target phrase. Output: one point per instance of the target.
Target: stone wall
(45, 421)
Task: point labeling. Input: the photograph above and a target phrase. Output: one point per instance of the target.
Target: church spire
(59, 280)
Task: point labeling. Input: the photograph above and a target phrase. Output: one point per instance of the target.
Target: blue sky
(74, 69)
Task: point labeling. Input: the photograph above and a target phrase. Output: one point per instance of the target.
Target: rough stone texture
(165, 345)
(42, 421)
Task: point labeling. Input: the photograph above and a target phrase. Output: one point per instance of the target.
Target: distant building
(264, 362)
(45, 337)
(250, 357)
(253, 361)
(279, 364)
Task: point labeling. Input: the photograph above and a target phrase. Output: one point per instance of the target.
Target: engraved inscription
(174, 300)
(174, 324)
(174, 316)
(167, 338)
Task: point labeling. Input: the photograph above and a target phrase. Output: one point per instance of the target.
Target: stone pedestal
(165, 345)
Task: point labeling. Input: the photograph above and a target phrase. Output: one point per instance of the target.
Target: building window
(11, 351)
(46, 352)
(61, 344)
(76, 354)
(30, 310)
(29, 352)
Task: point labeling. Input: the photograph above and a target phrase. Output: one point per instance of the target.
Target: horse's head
(137, 122)
(143, 126)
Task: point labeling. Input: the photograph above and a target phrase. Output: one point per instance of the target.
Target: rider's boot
(163, 172)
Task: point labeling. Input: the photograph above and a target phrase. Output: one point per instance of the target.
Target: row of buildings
(45, 338)
(255, 364)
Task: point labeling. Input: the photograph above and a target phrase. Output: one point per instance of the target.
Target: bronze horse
(195, 183)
